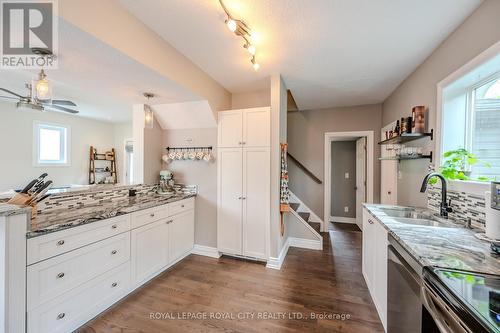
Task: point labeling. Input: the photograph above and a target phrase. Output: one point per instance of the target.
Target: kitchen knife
(29, 186)
(42, 191)
(42, 198)
(43, 187)
(39, 182)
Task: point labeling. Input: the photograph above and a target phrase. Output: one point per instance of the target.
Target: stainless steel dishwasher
(405, 312)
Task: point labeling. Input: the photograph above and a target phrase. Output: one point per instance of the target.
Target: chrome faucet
(445, 206)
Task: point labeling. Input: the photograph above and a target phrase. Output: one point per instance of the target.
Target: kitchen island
(68, 264)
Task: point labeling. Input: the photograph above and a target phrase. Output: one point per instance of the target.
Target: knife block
(22, 199)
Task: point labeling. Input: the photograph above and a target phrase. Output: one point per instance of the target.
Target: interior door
(256, 127)
(256, 198)
(360, 179)
(229, 202)
(230, 129)
(181, 234)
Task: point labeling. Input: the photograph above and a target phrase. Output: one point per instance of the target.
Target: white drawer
(147, 216)
(51, 278)
(180, 206)
(73, 309)
(59, 242)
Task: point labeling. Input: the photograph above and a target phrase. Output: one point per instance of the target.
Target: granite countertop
(60, 219)
(8, 209)
(447, 247)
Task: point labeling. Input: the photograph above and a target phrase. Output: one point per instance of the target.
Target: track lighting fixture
(239, 28)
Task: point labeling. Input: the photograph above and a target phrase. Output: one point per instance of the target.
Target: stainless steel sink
(416, 216)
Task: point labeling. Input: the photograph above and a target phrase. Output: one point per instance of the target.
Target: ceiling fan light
(255, 64)
(43, 91)
(231, 25)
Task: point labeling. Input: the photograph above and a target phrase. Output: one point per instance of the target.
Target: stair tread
(305, 216)
(316, 226)
(294, 206)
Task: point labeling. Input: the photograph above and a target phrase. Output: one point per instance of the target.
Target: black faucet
(445, 205)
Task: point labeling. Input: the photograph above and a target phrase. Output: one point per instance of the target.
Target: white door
(229, 200)
(256, 198)
(230, 129)
(181, 234)
(149, 250)
(360, 179)
(256, 127)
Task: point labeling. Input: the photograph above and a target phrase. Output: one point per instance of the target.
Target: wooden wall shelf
(104, 157)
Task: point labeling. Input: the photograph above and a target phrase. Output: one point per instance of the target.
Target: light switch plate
(347, 175)
(346, 209)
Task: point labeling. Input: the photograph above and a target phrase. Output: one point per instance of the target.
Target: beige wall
(306, 136)
(153, 150)
(480, 31)
(251, 100)
(16, 143)
(198, 173)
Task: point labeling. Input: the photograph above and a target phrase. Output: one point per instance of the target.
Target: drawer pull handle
(60, 275)
(152, 214)
(182, 206)
(61, 242)
(114, 284)
(114, 226)
(370, 221)
(61, 316)
(114, 252)
(168, 222)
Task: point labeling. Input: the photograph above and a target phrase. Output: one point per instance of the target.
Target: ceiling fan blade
(11, 92)
(59, 108)
(10, 97)
(63, 102)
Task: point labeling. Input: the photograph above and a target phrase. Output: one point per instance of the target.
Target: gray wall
(198, 173)
(343, 193)
(480, 31)
(306, 136)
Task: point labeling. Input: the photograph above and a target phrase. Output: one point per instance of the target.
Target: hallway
(224, 294)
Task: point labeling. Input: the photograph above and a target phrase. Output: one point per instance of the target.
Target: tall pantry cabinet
(243, 182)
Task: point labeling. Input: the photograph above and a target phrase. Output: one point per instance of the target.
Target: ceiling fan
(39, 95)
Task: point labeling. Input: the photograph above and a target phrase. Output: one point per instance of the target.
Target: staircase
(305, 216)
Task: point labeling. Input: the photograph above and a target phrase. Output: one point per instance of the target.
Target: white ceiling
(103, 82)
(329, 52)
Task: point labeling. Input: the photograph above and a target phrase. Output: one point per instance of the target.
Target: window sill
(469, 187)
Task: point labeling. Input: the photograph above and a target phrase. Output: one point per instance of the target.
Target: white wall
(121, 133)
(480, 31)
(16, 146)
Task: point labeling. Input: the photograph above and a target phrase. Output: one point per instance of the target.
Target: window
(51, 144)
(471, 120)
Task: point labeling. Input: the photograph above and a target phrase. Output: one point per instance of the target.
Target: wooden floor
(321, 282)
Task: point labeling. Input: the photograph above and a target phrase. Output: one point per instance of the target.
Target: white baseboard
(311, 244)
(275, 263)
(342, 219)
(206, 251)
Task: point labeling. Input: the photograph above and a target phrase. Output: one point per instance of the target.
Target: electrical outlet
(346, 209)
(347, 175)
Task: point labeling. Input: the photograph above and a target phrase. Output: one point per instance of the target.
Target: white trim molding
(206, 251)
(304, 208)
(342, 219)
(310, 244)
(276, 262)
(370, 151)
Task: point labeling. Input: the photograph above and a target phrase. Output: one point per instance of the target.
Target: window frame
(37, 125)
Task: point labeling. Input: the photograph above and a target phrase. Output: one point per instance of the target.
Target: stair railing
(305, 169)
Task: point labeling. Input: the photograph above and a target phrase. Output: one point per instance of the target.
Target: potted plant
(458, 165)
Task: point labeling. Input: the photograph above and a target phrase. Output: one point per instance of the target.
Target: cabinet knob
(60, 275)
(370, 221)
(114, 252)
(240, 143)
(182, 206)
(389, 192)
(243, 143)
(114, 226)
(152, 214)
(239, 198)
(61, 242)
(114, 284)
(244, 198)
(61, 316)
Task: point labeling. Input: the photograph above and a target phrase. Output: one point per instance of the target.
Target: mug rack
(189, 148)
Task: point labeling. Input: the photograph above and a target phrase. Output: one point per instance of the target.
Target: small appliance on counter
(492, 200)
(166, 183)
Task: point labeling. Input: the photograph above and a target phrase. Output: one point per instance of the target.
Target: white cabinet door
(256, 127)
(149, 250)
(367, 248)
(230, 129)
(181, 234)
(380, 271)
(229, 203)
(256, 198)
